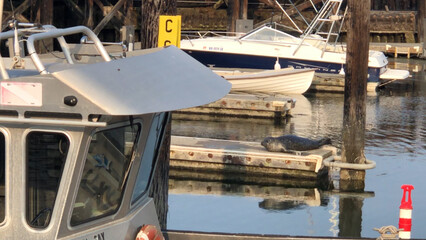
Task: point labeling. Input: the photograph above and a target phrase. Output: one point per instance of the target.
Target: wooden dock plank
(246, 105)
(324, 82)
(244, 157)
(407, 49)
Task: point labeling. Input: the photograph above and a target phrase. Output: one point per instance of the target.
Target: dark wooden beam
(117, 24)
(89, 22)
(118, 15)
(35, 13)
(128, 9)
(108, 17)
(46, 12)
(75, 8)
(18, 11)
(46, 18)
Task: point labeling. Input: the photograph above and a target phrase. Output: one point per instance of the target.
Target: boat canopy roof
(164, 80)
(267, 33)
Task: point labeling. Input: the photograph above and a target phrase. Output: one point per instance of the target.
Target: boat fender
(277, 65)
(149, 232)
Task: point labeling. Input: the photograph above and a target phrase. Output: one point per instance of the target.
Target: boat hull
(283, 81)
(233, 60)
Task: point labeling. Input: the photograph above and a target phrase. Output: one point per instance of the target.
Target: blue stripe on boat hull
(229, 60)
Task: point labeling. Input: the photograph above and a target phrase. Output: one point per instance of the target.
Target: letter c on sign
(167, 43)
(167, 25)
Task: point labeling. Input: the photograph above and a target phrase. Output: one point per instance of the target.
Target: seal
(292, 143)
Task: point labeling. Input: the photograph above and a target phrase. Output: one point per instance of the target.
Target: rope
(333, 161)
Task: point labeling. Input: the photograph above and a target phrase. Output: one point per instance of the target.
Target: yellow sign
(169, 31)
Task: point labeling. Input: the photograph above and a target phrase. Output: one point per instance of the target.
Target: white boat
(282, 81)
(260, 48)
(80, 137)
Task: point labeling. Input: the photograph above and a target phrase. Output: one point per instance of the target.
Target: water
(395, 139)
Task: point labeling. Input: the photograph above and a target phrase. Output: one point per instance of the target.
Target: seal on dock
(292, 143)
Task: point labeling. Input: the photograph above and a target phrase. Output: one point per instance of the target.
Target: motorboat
(277, 81)
(262, 47)
(80, 136)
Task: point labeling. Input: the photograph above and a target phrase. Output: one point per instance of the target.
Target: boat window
(149, 156)
(2, 176)
(269, 34)
(104, 174)
(46, 155)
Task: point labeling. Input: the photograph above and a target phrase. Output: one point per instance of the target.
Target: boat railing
(60, 33)
(36, 32)
(205, 34)
(329, 14)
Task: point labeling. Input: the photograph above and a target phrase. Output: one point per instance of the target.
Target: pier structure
(113, 20)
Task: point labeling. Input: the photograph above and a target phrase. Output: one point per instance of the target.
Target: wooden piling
(243, 9)
(233, 12)
(160, 183)
(45, 16)
(150, 12)
(355, 94)
(421, 6)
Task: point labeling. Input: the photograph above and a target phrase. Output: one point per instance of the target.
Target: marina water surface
(395, 139)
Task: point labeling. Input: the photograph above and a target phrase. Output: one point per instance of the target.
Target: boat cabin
(79, 142)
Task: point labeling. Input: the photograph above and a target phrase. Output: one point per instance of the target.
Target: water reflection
(272, 197)
(395, 139)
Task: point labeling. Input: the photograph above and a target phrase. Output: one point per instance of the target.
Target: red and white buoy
(405, 211)
(149, 232)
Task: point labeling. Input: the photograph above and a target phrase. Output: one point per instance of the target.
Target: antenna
(2, 68)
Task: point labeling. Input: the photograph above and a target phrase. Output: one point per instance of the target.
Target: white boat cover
(164, 80)
(392, 74)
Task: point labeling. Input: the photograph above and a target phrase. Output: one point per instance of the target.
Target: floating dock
(246, 105)
(186, 235)
(240, 158)
(331, 83)
(397, 49)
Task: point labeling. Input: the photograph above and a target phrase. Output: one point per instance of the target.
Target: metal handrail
(57, 33)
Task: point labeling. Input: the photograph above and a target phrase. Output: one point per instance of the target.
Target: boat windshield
(105, 170)
(269, 34)
(150, 154)
(2, 176)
